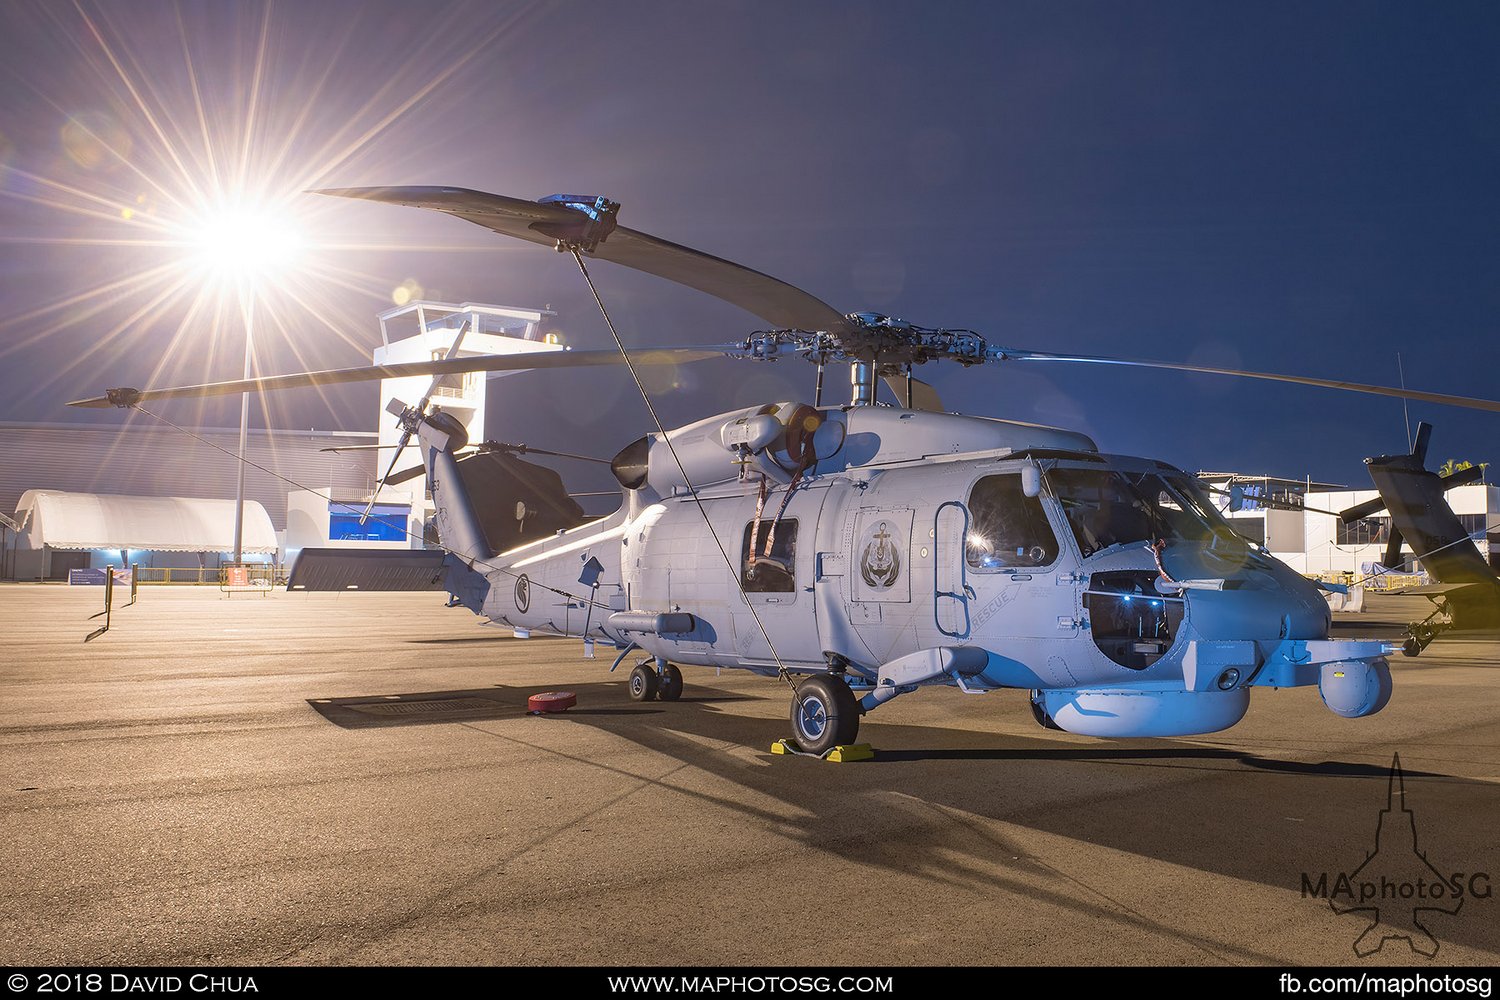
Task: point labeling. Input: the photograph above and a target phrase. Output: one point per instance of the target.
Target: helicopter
(862, 551)
(1466, 592)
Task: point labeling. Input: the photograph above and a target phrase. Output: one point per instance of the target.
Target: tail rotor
(409, 417)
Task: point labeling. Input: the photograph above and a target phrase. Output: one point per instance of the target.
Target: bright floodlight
(242, 244)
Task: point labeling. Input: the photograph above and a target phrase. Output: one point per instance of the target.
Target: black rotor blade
(421, 408)
(1469, 402)
(1360, 511)
(1392, 556)
(405, 475)
(1419, 446)
(511, 449)
(372, 373)
(1463, 477)
(400, 449)
(773, 300)
(526, 449)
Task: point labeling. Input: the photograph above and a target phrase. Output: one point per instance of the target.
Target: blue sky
(1305, 188)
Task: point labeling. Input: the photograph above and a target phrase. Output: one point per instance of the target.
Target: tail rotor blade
(526, 449)
(1362, 510)
(1392, 556)
(400, 447)
(452, 352)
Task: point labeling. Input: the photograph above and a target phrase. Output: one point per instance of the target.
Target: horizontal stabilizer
(1437, 589)
(367, 569)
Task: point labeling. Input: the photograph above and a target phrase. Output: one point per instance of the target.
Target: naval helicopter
(862, 551)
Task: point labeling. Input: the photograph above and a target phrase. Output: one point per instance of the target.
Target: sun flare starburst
(180, 192)
(244, 243)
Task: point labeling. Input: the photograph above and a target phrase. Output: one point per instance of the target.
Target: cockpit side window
(773, 572)
(1107, 507)
(1007, 528)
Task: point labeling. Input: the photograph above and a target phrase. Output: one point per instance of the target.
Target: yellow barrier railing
(1389, 582)
(1380, 582)
(206, 576)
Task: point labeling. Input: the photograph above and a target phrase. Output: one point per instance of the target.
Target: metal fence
(211, 576)
(1381, 582)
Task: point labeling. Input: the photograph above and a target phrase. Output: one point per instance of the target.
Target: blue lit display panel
(386, 523)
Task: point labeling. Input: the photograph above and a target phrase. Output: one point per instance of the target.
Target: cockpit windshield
(1108, 507)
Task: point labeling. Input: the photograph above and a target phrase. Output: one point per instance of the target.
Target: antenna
(1405, 409)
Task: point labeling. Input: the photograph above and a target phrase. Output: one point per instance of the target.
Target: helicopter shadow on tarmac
(479, 705)
(998, 813)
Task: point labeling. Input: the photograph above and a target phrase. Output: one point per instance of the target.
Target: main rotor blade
(1470, 402)
(373, 373)
(773, 300)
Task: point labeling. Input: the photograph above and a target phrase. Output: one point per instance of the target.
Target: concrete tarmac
(341, 778)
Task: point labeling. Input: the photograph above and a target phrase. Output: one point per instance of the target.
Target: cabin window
(772, 573)
(1006, 527)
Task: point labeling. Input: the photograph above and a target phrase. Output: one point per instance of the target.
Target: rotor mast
(861, 383)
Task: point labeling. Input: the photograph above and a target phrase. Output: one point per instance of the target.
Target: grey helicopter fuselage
(901, 548)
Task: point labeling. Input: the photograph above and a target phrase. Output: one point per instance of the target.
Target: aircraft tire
(643, 684)
(824, 714)
(670, 688)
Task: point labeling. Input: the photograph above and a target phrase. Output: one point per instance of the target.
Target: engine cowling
(775, 440)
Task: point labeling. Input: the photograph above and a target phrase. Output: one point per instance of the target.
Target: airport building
(1312, 539)
(81, 492)
(88, 495)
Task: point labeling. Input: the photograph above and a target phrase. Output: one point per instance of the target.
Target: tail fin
(458, 524)
(1420, 514)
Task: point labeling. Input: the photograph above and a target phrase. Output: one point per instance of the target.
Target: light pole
(247, 310)
(244, 246)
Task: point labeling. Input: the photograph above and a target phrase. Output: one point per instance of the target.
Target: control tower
(425, 331)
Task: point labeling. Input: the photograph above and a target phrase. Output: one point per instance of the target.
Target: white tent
(62, 520)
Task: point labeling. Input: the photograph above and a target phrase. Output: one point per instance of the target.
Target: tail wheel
(825, 714)
(643, 683)
(671, 684)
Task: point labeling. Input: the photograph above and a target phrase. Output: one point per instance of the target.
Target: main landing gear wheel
(825, 714)
(671, 684)
(643, 683)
